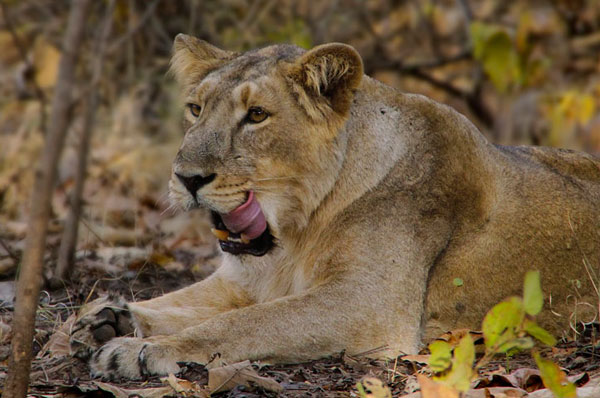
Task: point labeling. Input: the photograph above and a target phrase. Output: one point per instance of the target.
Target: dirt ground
(137, 277)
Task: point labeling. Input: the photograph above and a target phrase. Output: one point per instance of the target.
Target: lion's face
(261, 141)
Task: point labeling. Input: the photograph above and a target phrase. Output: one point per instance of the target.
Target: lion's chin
(236, 243)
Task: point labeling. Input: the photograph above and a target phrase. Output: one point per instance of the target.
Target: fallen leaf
(492, 392)
(422, 359)
(431, 389)
(579, 379)
(372, 387)
(225, 378)
(497, 392)
(185, 387)
(119, 392)
(58, 344)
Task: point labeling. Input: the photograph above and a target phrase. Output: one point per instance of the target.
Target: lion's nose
(194, 183)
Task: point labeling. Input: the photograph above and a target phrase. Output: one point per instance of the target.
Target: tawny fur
(377, 200)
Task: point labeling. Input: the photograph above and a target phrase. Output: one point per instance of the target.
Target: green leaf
(533, 298)
(536, 331)
(457, 282)
(501, 322)
(555, 379)
(480, 32)
(500, 60)
(361, 390)
(441, 356)
(461, 373)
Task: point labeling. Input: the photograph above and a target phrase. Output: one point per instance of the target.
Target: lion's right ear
(328, 74)
(193, 59)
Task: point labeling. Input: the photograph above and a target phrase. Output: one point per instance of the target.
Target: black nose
(194, 183)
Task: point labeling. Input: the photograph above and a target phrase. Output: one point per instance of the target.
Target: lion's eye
(256, 115)
(194, 109)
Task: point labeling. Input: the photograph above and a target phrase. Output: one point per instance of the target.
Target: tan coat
(376, 200)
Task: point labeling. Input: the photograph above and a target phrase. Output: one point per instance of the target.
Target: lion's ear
(331, 72)
(193, 59)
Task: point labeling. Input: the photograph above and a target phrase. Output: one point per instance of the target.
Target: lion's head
(263, 135)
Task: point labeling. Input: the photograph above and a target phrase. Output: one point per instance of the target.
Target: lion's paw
(132, 358)
(98, 322)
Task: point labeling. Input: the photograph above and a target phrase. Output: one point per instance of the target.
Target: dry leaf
(497, 392)
(431, 389)
(422, 359)
(119, 392)
(58, 344)
(185, 387)
(225, 378)
(45, 60)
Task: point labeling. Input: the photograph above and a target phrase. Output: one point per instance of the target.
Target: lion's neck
(374, 145)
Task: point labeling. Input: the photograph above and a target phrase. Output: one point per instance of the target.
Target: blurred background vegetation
(524, 71)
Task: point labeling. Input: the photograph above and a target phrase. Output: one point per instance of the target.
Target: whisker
(279, 178)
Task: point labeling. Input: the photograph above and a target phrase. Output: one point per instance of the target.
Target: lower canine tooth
(244, 239)
(220, 234)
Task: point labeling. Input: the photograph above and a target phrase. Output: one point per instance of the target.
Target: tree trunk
(30, 275)
(68, 242)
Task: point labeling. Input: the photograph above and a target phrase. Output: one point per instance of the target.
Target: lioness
(345, 209)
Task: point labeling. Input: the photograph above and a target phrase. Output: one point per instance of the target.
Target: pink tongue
(247, 219)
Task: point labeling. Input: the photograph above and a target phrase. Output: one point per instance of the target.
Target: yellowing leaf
(500, 61)
(371, 387)
(533, 299)
(441, 356)
(555, 379)
(501, 321)
(587, 106)
(494, 48)
(461, 373)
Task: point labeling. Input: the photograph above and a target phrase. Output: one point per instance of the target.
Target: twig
(127, 35)
(30, 277)
(22, 49)
(69, 239)
(466, 7)
(472, 98)
(9, 250)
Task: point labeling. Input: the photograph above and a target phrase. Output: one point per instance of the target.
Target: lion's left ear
(331, 72)
(194, 58)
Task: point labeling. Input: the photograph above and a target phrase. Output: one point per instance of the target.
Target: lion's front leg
(323, 321)
(192, 305)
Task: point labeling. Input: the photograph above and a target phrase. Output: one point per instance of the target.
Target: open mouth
(243, 230)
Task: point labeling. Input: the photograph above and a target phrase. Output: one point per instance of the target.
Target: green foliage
(533, 299)
(457, 282)
(554, 379)
(507, 329)
(534, 330)
(501, 322)
(295, 31)
(505, 60)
